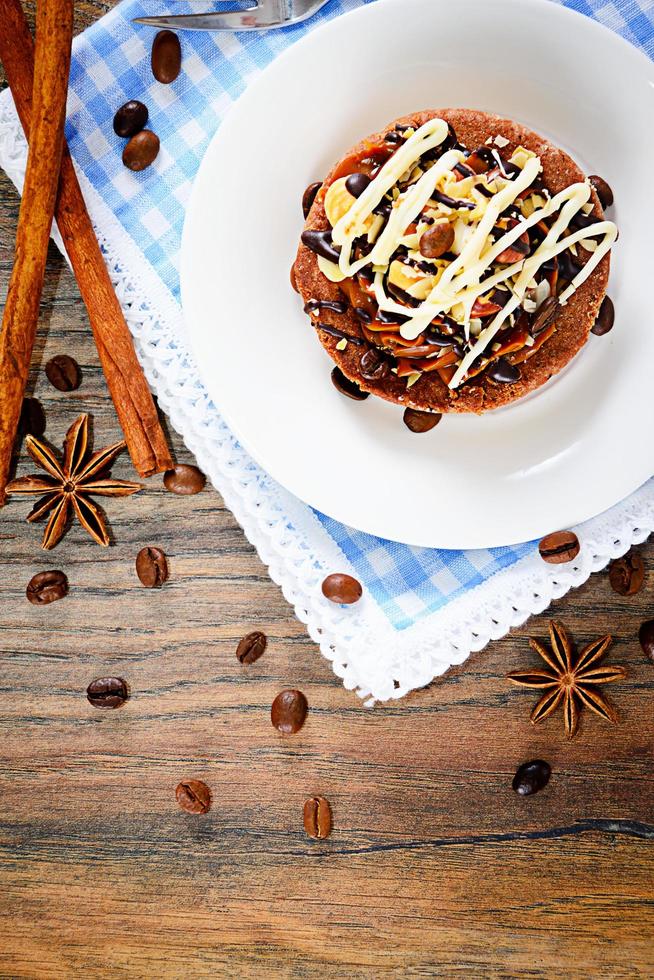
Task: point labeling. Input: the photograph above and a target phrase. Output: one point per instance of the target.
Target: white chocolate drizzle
(462, 281)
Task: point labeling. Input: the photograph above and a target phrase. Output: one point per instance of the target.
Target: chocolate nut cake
(454, 261)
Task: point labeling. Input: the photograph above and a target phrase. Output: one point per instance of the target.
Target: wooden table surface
(435, 866)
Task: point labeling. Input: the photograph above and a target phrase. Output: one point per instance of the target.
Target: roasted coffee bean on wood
(47, 587)
(342, 589)
(605, 318)
(559, 547)
(62, 371)
(531, 777)
(309, 197)
(603, 190)
(107, 692)
(193, 795)
(151, 567)
(627, 574)
(130, 119)
(646, 637)
(347, 387)
(185, 480)
(141, 151)
(32, 418)
(251, 647)
(317, 817)
(289, 711)
(166, 58)
(420, 421)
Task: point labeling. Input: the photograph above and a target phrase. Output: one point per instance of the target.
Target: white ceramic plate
(558, 457)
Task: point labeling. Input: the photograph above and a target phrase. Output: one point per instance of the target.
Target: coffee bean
(63, 372)
(347, 387)
(32, 418)
(166, 58)
(309, 197)
(602, 190)
(356, 184)
(544, 315)
(320, 242)
(46, 587)
(289, 711)
(420, 421)
(193, 795)
(141, 151)
(437, 240)
(293, 279)
(342, 589)
(251, 647)
(151, 567)
(531, 777)
(605, 318)
(130, 119)
(184, 480)
(107, 692)
(646, 637)
(317, 817)
(504, 372)
(627, 574)
(559, 547)
(373, 365)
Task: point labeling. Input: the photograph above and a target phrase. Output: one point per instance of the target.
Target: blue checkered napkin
(111, 65)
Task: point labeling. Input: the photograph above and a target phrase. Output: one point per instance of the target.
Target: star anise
(571, 681)
(70, 482)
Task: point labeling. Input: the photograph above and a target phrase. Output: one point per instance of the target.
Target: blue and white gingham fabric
(111, 65)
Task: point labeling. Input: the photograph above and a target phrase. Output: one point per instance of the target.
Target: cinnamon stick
(127, 385)
(54, 21)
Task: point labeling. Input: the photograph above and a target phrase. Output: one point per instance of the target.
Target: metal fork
(266, 14)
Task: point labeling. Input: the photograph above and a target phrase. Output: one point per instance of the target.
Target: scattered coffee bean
(184, 480)
(166, 58)
(251, 647)
(107, 692)
(317, 817)
(373, 365)
(151, 567)
(193, 796)
(63, 372)
(347, 387)
(627, 574)
(356, 184)
(289, 711)
(605, 318)
(504, 372)
(141, 151)
(309, 197)
(544, 315)
(320, 242)
(602, 190)
(531, 777)
(130, 119)
(46, 587)
(437, 240)
(342, 589)
(559, 547)
(32, 418)
(420, 421)
(646, 637)
(293, 279)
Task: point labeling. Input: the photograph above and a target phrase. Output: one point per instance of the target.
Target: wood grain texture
(434, 868)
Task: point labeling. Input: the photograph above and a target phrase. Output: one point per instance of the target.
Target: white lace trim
(365, 651)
